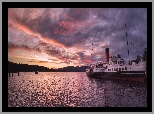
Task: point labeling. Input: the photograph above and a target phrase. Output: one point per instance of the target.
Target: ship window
(130, 68)
(125, 68)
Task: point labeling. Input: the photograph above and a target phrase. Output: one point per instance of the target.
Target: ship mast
(91, 51)
(127, 41)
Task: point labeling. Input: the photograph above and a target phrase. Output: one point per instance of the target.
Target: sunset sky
(60, 37)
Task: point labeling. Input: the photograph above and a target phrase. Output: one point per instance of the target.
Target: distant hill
(14, 67)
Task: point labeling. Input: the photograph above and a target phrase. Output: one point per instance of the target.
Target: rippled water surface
(63, 89)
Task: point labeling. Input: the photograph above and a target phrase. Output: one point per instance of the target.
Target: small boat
(36, 72)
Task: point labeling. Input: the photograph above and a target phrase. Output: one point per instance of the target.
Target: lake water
(74, 89)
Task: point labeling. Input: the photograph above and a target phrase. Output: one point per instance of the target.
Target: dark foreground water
(75, 89)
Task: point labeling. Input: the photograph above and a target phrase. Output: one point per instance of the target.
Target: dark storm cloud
(80, 26)
(81, 54)
(12, 47)
(79, 14)
(135, 20)
(47, 27)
